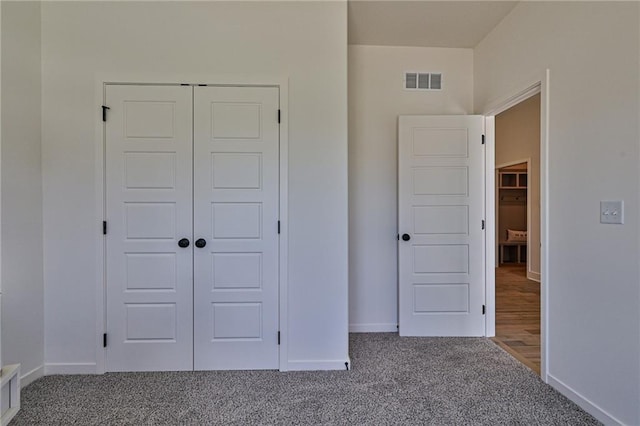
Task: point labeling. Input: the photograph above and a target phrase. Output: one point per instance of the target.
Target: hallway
(518, 315)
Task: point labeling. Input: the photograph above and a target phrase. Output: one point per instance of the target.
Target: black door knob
(183, 243)
(201, 242)
(406, 237)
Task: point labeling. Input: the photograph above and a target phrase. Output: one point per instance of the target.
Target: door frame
(101, 83)
(538, 84)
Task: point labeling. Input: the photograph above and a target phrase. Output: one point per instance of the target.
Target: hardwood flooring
(518, 315)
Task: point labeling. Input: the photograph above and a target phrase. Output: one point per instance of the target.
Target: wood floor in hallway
(518, 315)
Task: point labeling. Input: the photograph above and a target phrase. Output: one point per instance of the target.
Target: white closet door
(440, 221)
(236, 143)
(149, 210)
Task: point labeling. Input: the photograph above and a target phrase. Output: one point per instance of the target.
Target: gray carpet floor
(393, 380)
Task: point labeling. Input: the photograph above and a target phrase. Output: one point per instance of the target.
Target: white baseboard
(318, 365)
(533, 276)
(373, 328)
(583, 402)
(31, 376)
(70, 368)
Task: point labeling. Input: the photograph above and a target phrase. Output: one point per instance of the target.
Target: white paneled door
(236, 183)
(192, 231)
(149, 210)
(441, 226)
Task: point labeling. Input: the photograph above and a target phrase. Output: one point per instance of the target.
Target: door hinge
(104, 227)
(484, 309)
(104, 340)
(482, 224)
(278, 337)
(278, 227)
(278, 116)
(482, 139)
(104, 112)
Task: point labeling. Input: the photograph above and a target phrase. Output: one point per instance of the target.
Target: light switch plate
(612, 212)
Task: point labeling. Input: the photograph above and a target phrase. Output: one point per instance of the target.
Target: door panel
(440, 208)
(236, 143)
(149, 208)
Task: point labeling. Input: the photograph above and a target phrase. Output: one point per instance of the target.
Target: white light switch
(612, 212)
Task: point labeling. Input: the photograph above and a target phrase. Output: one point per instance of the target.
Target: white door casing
(236, 212)
(148, 206)
(440, 208)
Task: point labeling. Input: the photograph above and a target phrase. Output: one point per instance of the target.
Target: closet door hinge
(278, 337)
(104, 227)
(484, 309)
(104, 340)
(278, 116)
(483, 224)
(482, 139)
(104, 112)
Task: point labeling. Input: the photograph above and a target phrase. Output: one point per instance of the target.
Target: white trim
(10, 376)
(172, 79)
(490, 226)
(533, 87)
(100, 241)
(544, 225)
(499, 105)
(31, 376)
(373, 328)
(70, 368)
(584, 403)
(284, 225)
(314, 365)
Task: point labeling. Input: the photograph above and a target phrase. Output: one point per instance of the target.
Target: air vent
(436, 82)
(411, 80)
(422, 81)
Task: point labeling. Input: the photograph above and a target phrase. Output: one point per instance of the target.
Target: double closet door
(192, 183)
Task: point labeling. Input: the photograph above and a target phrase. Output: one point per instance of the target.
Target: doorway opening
(518, 236)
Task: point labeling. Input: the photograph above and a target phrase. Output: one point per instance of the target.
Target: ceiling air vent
(422, 81)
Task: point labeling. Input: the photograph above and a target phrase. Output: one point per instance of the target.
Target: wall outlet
(612, 212)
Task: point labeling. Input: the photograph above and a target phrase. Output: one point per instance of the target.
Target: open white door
(441, 226)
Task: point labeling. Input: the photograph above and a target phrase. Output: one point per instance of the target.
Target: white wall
(304, 41)
(592, 51)
(22, 282)
(518, 138)
(376, 98)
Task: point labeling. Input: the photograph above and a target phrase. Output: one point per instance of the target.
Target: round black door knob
(406, 237)
(200, 243)
(183, 243)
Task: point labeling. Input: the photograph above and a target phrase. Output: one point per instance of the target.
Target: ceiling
(424, 23)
